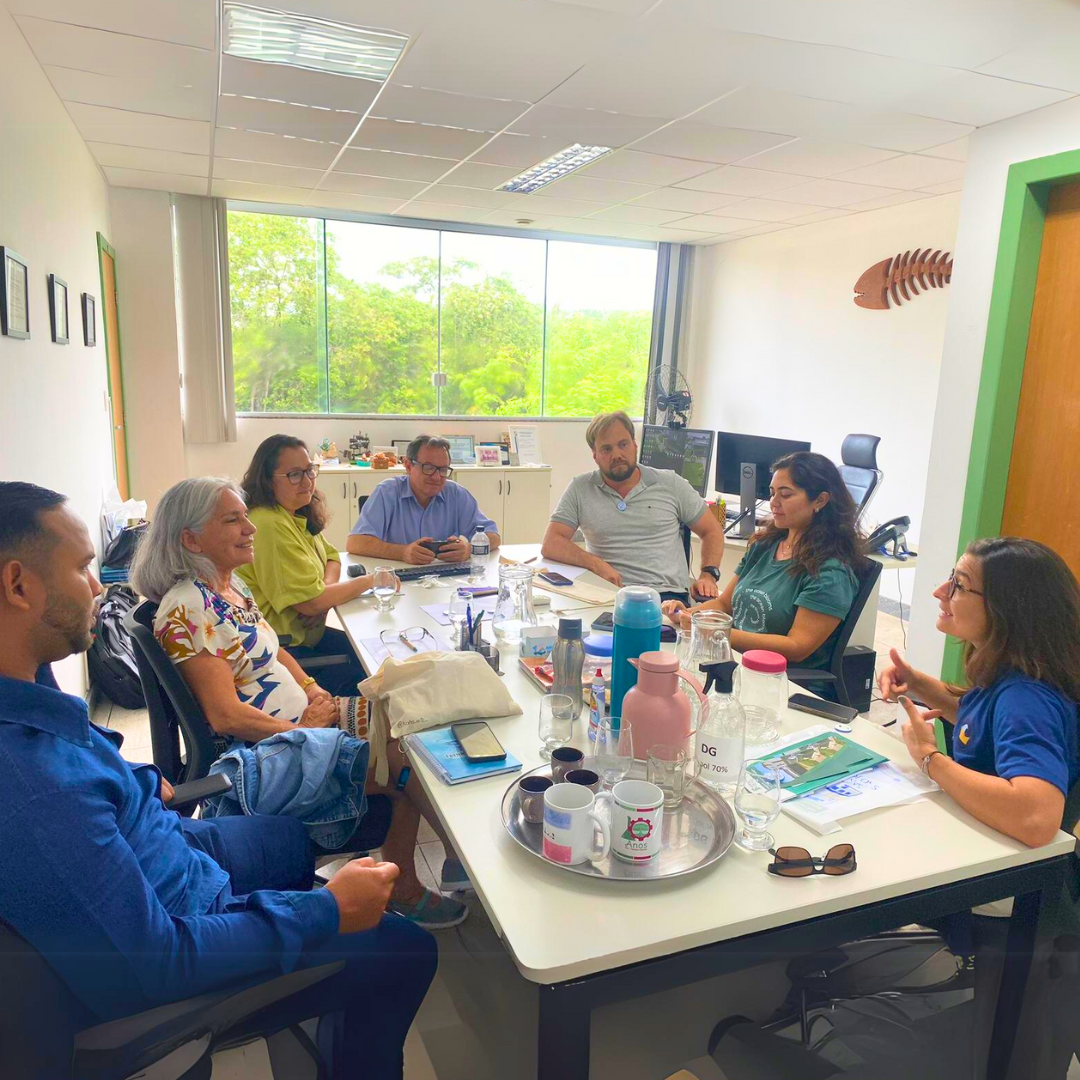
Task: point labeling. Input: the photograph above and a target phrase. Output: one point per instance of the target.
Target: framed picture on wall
(58, 309)
(14, 295)
(89, 320)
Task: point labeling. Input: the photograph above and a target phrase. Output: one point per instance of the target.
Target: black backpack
(112, 656)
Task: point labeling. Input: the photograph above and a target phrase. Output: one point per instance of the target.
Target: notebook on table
(443, 754)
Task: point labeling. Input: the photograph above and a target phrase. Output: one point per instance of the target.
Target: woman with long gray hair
(248, 686)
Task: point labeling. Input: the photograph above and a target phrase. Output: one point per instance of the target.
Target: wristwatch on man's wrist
(713, 571)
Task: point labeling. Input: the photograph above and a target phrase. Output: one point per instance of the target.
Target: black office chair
(174, 711)
(860, 470)
(45, 1031)
(833, 672)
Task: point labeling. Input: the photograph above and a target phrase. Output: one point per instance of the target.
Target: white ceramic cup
(571, 819)
(637, 815)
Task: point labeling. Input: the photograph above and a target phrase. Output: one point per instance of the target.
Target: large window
(343, 317)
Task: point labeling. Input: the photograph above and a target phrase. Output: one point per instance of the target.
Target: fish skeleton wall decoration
(899, 274)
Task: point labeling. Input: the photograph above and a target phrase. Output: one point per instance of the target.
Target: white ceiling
(727, 118)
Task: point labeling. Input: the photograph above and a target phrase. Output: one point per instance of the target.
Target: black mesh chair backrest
(867, 572)
(171, 705)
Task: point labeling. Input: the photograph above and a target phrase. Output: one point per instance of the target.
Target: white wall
(778, 347)
(991, 151)
(54, 427)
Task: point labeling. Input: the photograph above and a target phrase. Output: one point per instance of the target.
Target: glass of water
(384, 584)
(456, 611)
(613, 751)
(666, 768)
(557, 715)
(757, 802)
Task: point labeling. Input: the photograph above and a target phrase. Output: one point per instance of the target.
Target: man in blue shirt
(422, 507)
(132, 905)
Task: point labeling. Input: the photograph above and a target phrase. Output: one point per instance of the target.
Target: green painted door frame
(1027, 195)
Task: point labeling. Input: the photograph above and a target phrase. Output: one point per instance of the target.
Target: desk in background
(588, 944)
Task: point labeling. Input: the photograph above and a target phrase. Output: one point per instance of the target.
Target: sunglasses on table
(294, 476)
(798, 862)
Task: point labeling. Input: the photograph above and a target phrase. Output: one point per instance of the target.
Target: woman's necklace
(784, 548)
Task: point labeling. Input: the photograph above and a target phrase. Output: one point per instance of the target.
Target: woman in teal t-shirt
(796, 582)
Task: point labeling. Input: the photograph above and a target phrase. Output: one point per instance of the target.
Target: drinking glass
(456, 610)
(556, 722)
(384, 584)
(757, 802)
(613, 751)
(666, 768)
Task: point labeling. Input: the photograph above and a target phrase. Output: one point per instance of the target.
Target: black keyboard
(414, 573)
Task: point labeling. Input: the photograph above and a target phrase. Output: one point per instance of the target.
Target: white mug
(637, 815)
(570, 823)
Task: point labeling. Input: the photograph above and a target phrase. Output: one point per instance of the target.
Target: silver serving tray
(694, 835)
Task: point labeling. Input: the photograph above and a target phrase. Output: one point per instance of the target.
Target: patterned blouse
(192, 618)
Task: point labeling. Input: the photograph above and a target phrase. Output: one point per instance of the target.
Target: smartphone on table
(841, 715)
(560, 581)
(478, 741)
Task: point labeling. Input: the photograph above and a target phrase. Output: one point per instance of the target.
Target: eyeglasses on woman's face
(295, 476)
(430, 470)
(954, 586)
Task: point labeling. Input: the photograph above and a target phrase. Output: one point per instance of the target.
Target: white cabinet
(526, 506)
(488, 487)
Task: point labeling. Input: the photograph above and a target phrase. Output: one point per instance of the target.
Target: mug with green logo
(637, 815)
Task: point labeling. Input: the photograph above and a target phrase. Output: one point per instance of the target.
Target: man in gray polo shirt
(631, 515)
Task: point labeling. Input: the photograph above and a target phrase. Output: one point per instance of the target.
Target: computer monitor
(733, 451)
(686, 451)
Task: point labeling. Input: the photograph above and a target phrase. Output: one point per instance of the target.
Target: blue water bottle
(637, 630)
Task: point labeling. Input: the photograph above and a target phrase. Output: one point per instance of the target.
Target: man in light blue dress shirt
(422, 507)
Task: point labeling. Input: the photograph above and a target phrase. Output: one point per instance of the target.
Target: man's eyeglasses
(955, 587)
(294, 476)
(430, 470)
(798, 862)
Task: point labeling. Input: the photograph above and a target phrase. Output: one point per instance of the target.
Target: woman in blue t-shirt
(796, 582)
(1016, 606)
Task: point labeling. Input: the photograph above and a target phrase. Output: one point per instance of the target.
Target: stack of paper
(816, 762)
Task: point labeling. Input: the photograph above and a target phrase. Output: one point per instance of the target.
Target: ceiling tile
(401, 102)
(441, 211)
(819, 215)
(681, 236)
(278, 118)
(489, 177)
(274, 149)
(889, 200)
(536, 221)
(814, 157)
(409, 138)
(361, 204)
(118, 54)
(280, 82)
(760, 230)
(834, 193)
(770, 210)
(689, 202)
(519, 152)
(592, 227)
(139, 157)
(631, 9)
(954, 151)
(704, 142)
(269, 193)
(966, 97)
(1047, 61)
(183, 102)
(591, 127)
(735, 180)
(378, 187)
(159, 181)
(185, 22)
(259, 172)
(548, 205)
(465, 196)
(586, 187)
(97, 124)
(714, 223)
(395, 166)
(646, 168)
(945, 189)
(632, 214)
(909, 171)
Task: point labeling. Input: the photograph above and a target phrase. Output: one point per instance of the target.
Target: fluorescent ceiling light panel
(554, 168)
(280, 37)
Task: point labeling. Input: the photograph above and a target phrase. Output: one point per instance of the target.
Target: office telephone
(891, 538)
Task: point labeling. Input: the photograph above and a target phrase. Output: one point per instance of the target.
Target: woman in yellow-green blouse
(296, 575)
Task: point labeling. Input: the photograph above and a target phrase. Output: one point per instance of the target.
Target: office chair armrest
(805, 674)
(197, 790)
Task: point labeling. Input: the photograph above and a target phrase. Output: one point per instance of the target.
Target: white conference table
(589, 943)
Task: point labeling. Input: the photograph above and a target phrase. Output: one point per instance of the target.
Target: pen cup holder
(489, 652)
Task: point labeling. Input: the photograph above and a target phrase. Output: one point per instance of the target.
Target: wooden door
(1042, 499)
(111, 320)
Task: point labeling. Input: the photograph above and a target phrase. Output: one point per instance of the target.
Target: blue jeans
(366, 1009)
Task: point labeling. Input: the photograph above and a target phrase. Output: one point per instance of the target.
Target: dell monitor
(682, 450)
(744, 466)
